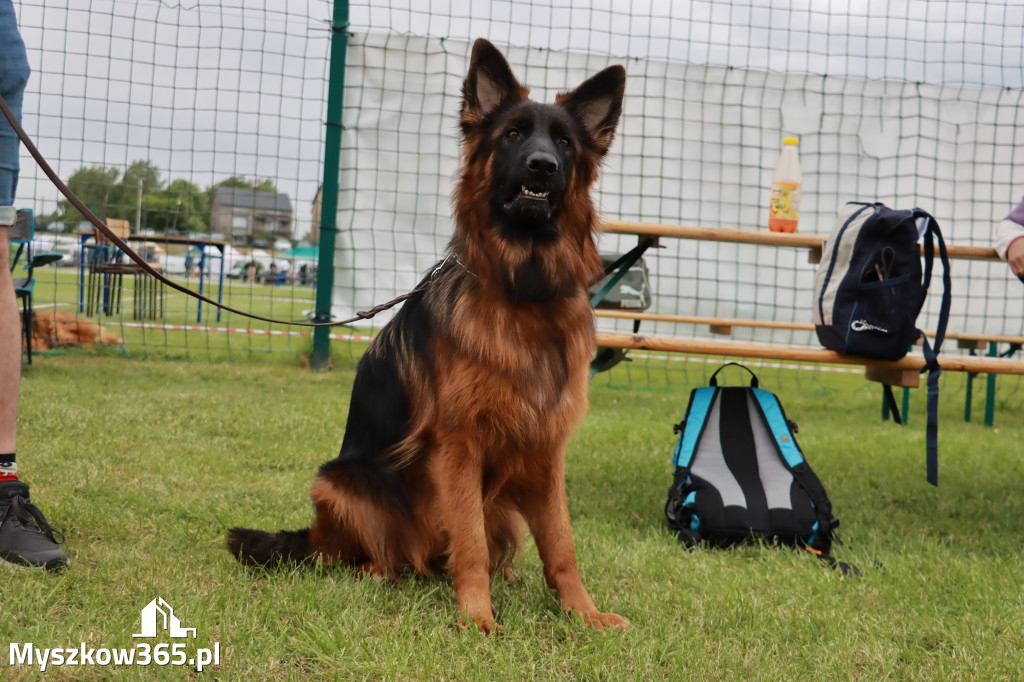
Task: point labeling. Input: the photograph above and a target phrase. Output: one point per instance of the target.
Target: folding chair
(21, 234)
(106, 271)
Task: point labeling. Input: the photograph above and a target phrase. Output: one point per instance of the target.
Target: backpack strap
(932, 235)
(783, 434)
(932, 431)
(690, 431)
(620, 267)
(847, 569)
(714, 380)
(890, 401)
(685, 528)
(692, 427)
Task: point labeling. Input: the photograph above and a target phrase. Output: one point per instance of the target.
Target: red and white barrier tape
(354, 337)
(236, 330)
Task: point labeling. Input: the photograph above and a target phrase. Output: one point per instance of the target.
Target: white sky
(978, 42)
(203, 90)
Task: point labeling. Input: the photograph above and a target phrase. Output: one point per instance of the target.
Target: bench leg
(970, 395)
(26, 325)
(894, 377)
(990, 391)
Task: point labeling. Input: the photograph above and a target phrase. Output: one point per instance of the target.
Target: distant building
(246, 216)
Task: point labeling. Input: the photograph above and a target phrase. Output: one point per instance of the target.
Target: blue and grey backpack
(740, 474)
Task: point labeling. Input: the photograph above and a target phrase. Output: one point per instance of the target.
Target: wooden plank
(797, 239)
(719, 234)
(905, 378)
(971, 340)
(983, 338)
(710, 321)
(671, 344)
(970, 344)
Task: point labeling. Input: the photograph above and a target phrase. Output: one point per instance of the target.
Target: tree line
(177, 206)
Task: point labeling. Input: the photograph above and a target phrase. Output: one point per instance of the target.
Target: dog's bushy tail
(260, 548)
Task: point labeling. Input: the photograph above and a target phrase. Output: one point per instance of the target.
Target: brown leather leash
(150, 270)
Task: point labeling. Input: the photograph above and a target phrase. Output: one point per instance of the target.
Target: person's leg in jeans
(25, 536)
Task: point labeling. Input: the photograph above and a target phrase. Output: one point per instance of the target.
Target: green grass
(145, 465)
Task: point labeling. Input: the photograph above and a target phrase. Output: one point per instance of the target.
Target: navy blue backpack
(870, 288)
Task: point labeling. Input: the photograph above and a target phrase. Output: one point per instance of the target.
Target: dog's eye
(512, 134)
(563, 141)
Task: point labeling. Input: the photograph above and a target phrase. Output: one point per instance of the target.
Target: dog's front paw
(484, 621)
(603, 621)
(370, 570)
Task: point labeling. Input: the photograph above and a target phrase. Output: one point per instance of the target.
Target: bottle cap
(791, 140)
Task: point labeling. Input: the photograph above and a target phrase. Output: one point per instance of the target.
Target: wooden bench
(811, 242)
(724, 326)
(904, 373)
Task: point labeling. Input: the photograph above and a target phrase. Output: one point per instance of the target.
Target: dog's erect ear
(598, 104)
(489, 83)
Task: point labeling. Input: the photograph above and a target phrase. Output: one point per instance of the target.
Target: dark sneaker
(26, 538)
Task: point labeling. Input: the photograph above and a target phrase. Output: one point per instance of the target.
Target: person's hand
(1015, 256)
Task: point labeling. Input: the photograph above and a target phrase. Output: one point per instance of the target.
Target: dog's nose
(542, 162)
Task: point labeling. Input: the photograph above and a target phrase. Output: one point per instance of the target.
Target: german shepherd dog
(463, 404)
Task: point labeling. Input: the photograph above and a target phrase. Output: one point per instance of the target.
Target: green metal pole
(990, 389)
(970, 394)
(329, 196)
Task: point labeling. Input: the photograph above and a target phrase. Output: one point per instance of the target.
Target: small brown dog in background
(63, 329)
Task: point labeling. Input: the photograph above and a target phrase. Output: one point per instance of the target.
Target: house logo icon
(158, 611)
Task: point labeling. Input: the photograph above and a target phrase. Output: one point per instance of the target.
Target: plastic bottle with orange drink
(784, 211)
